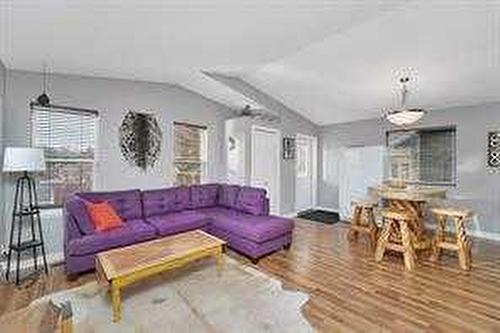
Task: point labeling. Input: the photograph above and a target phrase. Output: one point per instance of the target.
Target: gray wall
(3, 76)
(290, 124)
(476, 187)
(113, 98)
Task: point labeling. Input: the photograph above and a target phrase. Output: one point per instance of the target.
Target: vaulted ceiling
(332, 61)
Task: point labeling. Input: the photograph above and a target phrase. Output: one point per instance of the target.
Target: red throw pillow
(103, 216)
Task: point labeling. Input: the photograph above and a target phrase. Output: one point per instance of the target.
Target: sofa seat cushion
(132, 232)
(258, 229)
(174, 223)
(165, 201)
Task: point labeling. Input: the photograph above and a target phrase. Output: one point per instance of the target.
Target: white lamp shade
(23, 159)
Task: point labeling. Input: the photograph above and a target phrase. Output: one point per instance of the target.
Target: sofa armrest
(266, 206)
(70, 230)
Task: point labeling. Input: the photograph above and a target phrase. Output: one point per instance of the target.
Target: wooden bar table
(410, 199)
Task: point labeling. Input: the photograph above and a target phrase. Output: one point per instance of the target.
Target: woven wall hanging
(140, 139)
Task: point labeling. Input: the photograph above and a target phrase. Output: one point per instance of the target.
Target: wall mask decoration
(140, 139)
(493, 158)
(288, 148)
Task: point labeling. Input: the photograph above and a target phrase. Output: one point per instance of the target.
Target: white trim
(255, 128)
(290, 215)
(315, 169)
(328, 209)
(485, 234)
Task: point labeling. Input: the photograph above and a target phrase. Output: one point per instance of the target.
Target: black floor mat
(318, 215)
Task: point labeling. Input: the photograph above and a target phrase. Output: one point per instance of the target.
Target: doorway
(305, 172)
(265, 163)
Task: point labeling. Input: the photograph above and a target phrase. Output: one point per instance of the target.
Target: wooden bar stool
(460, 242)
(363, 221)
(396, 235)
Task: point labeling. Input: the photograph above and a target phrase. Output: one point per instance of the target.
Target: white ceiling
(332, 61)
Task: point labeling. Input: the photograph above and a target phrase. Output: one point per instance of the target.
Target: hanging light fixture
(404, 115)
(43, 99)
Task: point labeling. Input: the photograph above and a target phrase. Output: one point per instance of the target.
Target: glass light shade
(23, 159)
(405, 116)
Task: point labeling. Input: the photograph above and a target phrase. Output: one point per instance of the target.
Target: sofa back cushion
(76, 207)
(164, 201)
(251, 200)
(127, 204)
(228, 195)
(203, 196)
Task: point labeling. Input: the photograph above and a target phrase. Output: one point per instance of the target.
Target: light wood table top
(123, 266)
(123, 261)
(410, 193)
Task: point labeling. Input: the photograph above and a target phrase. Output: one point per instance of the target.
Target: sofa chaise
(237, 214)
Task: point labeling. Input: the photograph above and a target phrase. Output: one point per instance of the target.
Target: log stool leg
(406, 239)
(382, 241)
(373, 229)
(463, 243)
(356, 221)
(439, 238)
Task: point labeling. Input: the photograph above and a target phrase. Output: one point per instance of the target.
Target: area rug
(318, 215)
(193, 299)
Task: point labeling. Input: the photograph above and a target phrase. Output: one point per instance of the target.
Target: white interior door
(265, 163)
(305, 172)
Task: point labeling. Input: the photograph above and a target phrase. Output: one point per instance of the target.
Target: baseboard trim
(290, 215)
(474, 233)
(328, 209)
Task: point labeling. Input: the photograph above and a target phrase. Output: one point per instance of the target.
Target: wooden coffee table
(121, 267)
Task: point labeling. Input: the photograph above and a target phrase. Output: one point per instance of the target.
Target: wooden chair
(460, 241)
(363, 221)
(396, 235)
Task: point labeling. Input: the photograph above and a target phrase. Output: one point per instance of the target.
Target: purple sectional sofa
(237, 214)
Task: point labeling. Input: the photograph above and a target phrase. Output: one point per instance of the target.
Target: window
(69, 140)
(190, 153)
(303, 159)
(423, 156)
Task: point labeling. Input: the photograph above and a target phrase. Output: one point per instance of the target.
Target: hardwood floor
(350, 292)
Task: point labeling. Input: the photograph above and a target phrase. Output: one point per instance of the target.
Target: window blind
(425, 156)
(190, 153)
(68, 139)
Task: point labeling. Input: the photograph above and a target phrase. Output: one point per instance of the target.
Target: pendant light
(403, 115)
(43, 99)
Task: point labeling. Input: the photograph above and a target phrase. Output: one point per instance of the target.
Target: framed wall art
(493, 156)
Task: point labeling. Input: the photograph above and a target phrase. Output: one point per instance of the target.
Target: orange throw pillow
(103, 216)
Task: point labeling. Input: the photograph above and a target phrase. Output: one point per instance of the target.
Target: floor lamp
(24, 161)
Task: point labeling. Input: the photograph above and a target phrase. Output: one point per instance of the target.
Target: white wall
(113, 98)
(476, 187)
(238, 160)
